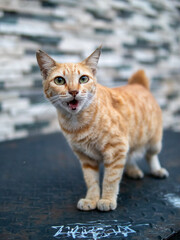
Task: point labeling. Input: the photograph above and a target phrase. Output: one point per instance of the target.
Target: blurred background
(136, 34)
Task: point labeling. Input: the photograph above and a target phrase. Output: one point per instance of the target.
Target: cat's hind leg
(153, 161)
(132, 170)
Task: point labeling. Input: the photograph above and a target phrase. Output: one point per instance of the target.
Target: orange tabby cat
(109, 125)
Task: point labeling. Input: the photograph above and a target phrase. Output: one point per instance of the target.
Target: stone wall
(134, 33)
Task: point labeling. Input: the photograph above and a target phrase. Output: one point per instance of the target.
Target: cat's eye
(84, 79)
(59, 81)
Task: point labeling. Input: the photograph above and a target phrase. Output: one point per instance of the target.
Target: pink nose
(73, 93)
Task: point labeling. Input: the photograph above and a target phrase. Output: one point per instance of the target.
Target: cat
(101, 124)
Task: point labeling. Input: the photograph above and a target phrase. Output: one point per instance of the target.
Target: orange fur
(109, 125)
(140, 78)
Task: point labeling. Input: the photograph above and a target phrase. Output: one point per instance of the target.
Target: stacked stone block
(135, 34)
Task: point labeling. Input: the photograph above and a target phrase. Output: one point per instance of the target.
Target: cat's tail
(139, 77)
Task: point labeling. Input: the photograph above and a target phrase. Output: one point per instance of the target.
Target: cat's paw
(161, 173)
(134, 173)
(106, 205)
(86, 204)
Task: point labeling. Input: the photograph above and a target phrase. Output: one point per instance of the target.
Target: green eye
(84, 79)
(59, 81)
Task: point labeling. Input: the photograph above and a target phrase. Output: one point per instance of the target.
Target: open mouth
(73, 104)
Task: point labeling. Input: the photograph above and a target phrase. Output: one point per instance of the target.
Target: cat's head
(69, 86)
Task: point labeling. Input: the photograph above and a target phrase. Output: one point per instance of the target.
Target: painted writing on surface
(93, 230)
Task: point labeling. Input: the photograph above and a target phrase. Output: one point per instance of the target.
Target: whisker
(54, 97)
(55, 104)
(55, 101)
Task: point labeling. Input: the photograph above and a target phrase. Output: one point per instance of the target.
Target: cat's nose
(74, 93)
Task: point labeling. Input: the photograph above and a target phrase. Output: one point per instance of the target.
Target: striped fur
(110, 125)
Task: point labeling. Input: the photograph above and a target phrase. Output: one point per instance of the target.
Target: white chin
(74, 111)
(70, 110)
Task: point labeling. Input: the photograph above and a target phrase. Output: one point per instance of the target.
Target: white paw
(134, 173)
(106, 205)
(161, 173)
(86, 204)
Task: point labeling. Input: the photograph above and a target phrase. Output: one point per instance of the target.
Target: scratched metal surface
(41, 182)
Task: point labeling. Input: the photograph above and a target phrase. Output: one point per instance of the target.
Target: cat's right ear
(46, 63)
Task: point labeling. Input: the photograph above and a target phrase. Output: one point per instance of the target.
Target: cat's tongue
(73, 104)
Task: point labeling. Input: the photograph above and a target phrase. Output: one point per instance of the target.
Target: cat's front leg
(114, 162)
(91, 175)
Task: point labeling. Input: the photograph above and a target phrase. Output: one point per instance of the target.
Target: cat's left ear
(46, 63)
(93, 59)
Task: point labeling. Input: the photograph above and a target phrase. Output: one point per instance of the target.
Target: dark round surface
(41, 182)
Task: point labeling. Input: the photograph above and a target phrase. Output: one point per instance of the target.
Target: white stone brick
(152, 37)
(147, 56)
(13, 105)
(23, 119)
(77, 45)
(6, 129)
(9, 95)
(174, 62)
(19, 5)
(110, 60)
(118, 5)
(144, 7)
(167, 119)
(67, 58)
(5, 119)
(29, 27)
(162, 101)
(174, 105)
(22, 64)
(139, 22)
(41, 111)
(10, 45)
(19, 83)
(125, 73)
(53, 127)
(20, 134)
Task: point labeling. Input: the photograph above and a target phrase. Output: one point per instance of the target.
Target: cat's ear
(93, 59)
(46, 63)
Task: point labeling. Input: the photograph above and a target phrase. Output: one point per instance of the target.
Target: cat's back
(134, 110)
(130, 95)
